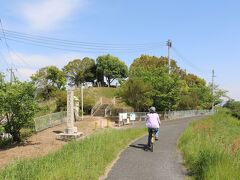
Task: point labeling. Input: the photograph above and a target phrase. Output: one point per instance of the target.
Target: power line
(187, 61)
(92, 44)
(82, 49)
(4, 60)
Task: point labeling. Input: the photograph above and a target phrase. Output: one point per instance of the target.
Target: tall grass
(211, 147)
(85, 159)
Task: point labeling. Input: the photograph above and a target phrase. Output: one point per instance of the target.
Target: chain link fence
(50, 120)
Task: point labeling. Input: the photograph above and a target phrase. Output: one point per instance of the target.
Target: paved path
(162, 164)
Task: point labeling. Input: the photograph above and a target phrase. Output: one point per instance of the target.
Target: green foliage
(136, 93)
(1, 129)
(80, 71)
(85, 159)
(110, 67)
(166, 89)
(234, 107)
(211, 147)
(47, 80)
(61, 100)
(56, 77)
(177, 91)
(18, 106)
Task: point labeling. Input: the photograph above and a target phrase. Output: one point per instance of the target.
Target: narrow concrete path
(163, 164)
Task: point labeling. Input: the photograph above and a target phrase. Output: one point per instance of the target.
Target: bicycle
(153, 139)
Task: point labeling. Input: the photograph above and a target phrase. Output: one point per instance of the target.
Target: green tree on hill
(166, 89)
(80, 71)
(47, 80)
(110, 67)
(136, 93)
(175, 91)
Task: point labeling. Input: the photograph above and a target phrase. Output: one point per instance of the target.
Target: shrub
(17, 102)
(61, 100)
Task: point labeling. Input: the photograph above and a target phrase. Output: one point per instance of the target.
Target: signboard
(132, 117)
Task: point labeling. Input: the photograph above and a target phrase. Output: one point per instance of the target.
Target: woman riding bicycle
(152, 122)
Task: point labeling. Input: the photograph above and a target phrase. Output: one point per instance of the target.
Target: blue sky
(205, 33)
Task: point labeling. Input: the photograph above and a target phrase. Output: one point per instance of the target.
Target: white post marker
(71, 131)
(82, 99)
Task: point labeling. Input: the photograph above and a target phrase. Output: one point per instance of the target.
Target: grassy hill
(90, 97)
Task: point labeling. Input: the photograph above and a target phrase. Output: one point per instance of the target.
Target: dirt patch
(236, 145)
(45, 141)
(202, 127)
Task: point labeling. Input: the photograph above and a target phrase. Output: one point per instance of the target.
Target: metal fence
(50, 120)
(171, 115)
(189, 113)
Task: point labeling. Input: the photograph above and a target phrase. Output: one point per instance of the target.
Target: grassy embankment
(91, 96)
(211, 147)
(85, 159)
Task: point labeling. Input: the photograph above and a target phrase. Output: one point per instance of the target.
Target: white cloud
(27, 64)
(49, 14)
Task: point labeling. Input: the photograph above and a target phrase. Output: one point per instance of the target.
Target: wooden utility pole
(169, 45)
(213, 76)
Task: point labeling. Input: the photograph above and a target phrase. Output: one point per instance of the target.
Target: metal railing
(108, 109)
(49, 120)
(141, 116)
(96, 106)
(189, 113)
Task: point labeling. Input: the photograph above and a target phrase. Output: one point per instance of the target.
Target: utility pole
(213, 76)
(12, 75)
(169, 45)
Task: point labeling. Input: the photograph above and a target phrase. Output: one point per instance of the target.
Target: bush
(234, 107)
(61, 100)
(1, 129)
(88, 103)
(17, 101)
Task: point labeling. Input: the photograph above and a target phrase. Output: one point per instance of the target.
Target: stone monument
(76, 108)
(71, 131)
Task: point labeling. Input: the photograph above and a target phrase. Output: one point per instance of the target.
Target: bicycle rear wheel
(151, 148)
(152, 142)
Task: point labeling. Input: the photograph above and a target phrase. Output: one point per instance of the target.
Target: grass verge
(211, 147)
(84, 159)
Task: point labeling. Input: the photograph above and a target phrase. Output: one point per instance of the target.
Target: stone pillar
(70, 113)
(71, 131)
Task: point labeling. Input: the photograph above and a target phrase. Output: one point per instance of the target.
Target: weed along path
(44, 142)
(164, 163)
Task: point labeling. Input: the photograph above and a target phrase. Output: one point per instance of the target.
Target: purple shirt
(152, 120)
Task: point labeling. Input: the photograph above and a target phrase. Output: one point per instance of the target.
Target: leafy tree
(166, 89)
(218, 94)
(136, 93)
(18, 106)
(80, 71)
(47, 80)
(56, 77)
(110, 67)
